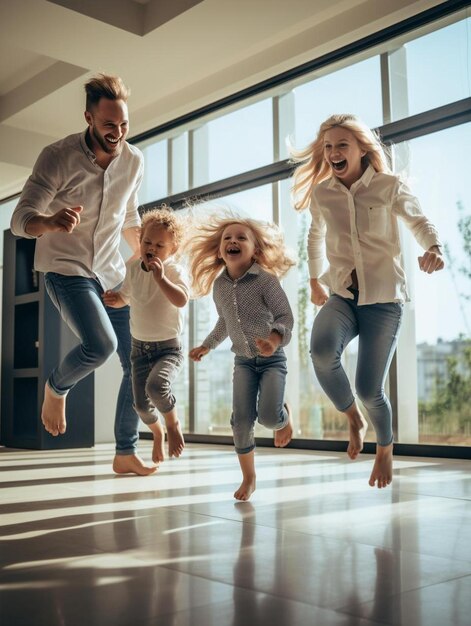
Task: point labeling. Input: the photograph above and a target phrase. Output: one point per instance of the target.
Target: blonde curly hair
(166, 217)
(313, 168)
(203, 248)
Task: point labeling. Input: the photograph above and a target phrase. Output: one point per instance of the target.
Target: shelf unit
(34, 340)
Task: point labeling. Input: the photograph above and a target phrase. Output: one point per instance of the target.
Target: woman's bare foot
(53, 412)
(159, 436)
(246, 489)
(358, 427)
(176, 443)
(284, 435)
(383, 467)
(132, 464)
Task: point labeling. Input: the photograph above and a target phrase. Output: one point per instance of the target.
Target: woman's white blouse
(358, 228)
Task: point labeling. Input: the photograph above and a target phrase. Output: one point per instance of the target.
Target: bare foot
(159, 435)
(131, 464)
(383, 467)
(176, 443)
(53, 412)
(246, 489)
(283, 436)
(358, 427)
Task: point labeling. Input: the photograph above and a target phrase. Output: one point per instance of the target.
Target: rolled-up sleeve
(38, 192)
(132, 218)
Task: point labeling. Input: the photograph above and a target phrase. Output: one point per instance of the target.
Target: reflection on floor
(80, 546)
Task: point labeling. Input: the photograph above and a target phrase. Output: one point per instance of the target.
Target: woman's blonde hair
(203, 248)
(169, 220)
(313, 168)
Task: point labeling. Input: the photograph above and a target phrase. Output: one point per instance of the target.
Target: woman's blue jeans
(102, 331)
(377, 327)
(263, 378)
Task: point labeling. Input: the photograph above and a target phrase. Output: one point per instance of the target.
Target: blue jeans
(377, 327)
(102, 331)
(154, 366)
(265, 378)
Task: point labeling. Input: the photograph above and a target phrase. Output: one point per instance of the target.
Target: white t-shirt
(153, 316)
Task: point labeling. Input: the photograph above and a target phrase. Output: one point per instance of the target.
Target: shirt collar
(365, 179)
(253, 269)
(83, 142)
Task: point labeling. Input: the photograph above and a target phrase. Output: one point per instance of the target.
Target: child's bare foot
(53, 412)
(176, 443)
(283, 436)
(159, 436)
(246, 489)
(358, 427)
(132, 464)
(383, 467)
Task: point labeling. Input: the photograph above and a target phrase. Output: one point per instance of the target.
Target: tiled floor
(315, 546)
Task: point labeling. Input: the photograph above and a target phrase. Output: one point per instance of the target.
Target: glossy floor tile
(80, 546)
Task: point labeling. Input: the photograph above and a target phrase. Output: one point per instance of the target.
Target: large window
(409, 76)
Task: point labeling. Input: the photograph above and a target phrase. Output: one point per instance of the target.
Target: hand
(198, 353)
(110, 298)
(64, 220)
(319, 295)
(431, 261)
(266, 347)
(157, 268)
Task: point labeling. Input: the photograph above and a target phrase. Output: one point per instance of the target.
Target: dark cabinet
(34, 340)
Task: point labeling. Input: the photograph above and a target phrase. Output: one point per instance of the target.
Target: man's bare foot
(132, 464)
(176, 443)
(283, 436)
(383, 467)
(159, 436)
(358, 427)
(53, 412)
(246, 489)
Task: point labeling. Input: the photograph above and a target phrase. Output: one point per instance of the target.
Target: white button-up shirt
(66, 174)
(357, 228)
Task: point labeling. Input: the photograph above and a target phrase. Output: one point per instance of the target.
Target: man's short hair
(103, 86)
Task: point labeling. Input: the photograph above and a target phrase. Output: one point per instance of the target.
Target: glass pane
(213, 374)
(154, 184)
(237, 142)
(437, 69)
(442, 301)
(354, 89)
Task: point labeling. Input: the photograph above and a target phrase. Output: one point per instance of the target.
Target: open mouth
(233, 251)
(112, 141)
(338, 166)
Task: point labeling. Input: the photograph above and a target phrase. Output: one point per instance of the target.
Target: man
(81, 196)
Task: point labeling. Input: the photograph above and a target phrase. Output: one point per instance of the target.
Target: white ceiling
(175, 55)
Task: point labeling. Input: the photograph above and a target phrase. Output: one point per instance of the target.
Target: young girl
(355, 201)
(244, 259)
(157, 290)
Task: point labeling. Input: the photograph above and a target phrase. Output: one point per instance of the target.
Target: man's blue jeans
(102, 331)
(377, 327)
(263, 378)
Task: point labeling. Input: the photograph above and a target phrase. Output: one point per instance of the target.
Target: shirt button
(238, 319)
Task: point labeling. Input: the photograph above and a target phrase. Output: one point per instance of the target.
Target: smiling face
(343, 154)
(237, 249)
(108, 126)
(156, 243)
